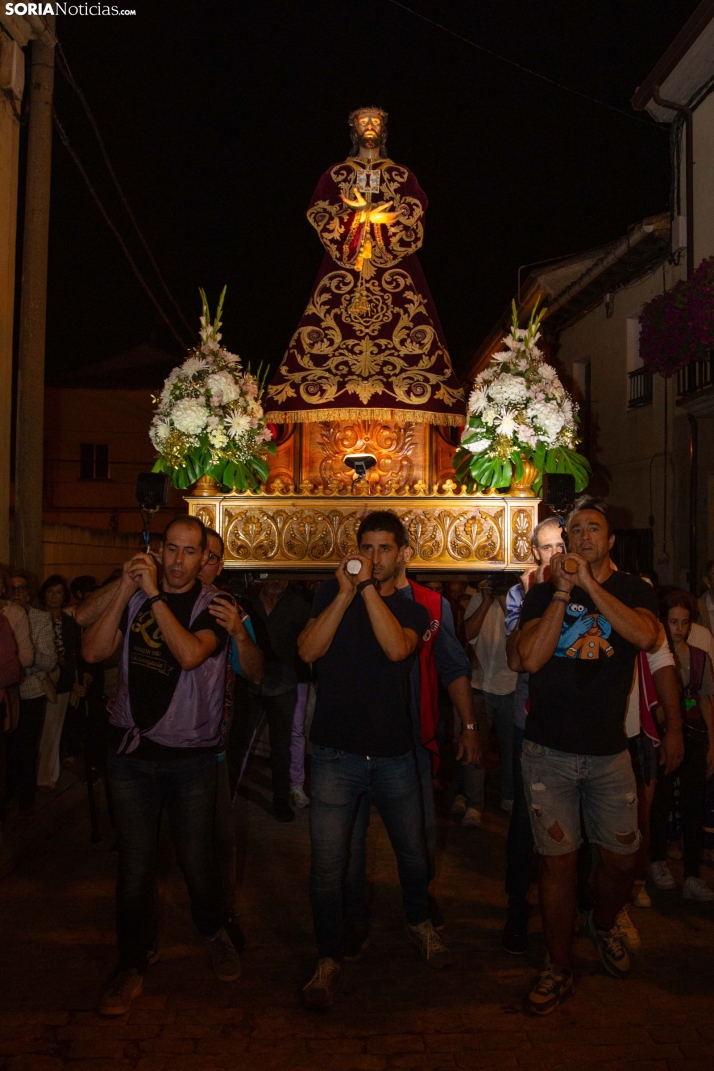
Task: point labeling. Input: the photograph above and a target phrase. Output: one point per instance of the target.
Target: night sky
(220, 116)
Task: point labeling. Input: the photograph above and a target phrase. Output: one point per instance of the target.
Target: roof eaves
(687, 36)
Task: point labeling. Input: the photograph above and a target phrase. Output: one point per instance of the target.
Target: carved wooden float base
(313, 530)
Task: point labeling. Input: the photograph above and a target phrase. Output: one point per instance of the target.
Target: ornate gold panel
(207, 514)
(449, 530)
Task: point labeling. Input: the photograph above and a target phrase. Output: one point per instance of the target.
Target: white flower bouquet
(519, 410)
(209, 420)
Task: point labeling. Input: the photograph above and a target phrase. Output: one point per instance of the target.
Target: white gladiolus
(190, 415)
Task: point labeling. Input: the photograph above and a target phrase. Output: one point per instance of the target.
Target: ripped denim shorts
(558, 784)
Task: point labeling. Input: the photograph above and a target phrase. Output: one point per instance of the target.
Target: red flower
(677, 327)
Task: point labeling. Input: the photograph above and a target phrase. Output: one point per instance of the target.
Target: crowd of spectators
(498, 704)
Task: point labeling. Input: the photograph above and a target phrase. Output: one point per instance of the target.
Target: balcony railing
(695, 376)
(639, 388)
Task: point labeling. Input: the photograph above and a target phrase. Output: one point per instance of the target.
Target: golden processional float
(366, 405)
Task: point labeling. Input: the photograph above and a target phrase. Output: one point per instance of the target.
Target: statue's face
(369, 129)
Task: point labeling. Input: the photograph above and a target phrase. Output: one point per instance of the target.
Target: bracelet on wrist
(560, 596)
(371, 582)
(471, 725)
(158, 597)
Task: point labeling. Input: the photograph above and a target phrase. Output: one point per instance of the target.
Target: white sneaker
(640, 896)
(507, 806)
(472, 817)
(320, 990)
(626, 930)
(458, 807)
(433, 950)
(224, 958)
(661, 875)
(298, 798)
(696, 889)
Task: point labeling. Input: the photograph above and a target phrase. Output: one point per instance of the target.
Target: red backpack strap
(429, 691)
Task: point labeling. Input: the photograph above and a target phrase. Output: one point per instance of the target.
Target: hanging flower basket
(677, 327)
(209, 420)
(519, 412)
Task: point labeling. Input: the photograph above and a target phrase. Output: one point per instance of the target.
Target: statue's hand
(359, 201)
(372, 214)
(379, 214)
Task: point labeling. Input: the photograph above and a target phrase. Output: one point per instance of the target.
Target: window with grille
(94, 461)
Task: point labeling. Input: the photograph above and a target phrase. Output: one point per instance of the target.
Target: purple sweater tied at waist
(194, 715)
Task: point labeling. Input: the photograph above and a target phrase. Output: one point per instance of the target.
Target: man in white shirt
(485, 629)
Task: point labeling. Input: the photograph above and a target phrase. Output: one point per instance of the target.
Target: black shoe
(436, 914)
(514, 936)
(235, 933)
(282, 810)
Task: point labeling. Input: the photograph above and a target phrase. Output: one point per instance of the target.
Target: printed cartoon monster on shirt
(586, 638)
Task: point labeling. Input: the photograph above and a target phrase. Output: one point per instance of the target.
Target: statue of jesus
(369, 344)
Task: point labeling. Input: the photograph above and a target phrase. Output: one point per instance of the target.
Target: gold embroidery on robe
(397, 363)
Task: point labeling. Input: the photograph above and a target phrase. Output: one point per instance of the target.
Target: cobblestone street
(58, 948)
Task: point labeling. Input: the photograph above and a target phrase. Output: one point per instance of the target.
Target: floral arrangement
(209, 419)
(519, 411)
(678, 326)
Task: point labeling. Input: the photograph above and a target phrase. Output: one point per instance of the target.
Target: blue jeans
(501, 711)
(187, 789)
(224, 836)
(339, 782)
(519, 846)
(357, 911)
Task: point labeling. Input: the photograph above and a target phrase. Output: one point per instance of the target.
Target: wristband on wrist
(159, 597)
(470, 725)
(365, 584)
(560, 596)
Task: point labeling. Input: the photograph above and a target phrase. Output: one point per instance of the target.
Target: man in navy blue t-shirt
(362, 639)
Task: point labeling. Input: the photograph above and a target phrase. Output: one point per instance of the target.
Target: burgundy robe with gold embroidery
(369, 345)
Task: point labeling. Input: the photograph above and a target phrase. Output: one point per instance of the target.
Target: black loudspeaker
(152, 490)
(558, 491)
(633, 551)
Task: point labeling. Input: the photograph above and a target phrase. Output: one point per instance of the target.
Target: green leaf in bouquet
(240, 482)
(261, 467)
(539, 456)
(216, 471)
